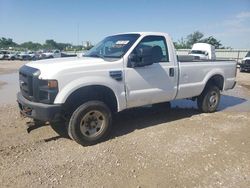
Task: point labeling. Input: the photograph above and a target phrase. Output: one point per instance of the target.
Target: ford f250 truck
(121, 72)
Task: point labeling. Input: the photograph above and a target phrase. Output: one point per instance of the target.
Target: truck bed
(188, 58)
(193, 75)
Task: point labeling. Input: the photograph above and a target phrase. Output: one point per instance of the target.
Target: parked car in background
(203, 51)
(11, 55)
(30, 55)
(66, 54)
(3, 54)
(245, 63)
(50, 54)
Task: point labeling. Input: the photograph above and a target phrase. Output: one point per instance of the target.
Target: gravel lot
(148, 147)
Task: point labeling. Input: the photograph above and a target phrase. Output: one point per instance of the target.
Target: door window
(158, 42)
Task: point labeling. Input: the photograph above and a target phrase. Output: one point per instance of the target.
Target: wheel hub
(213, 100)
(92, 123)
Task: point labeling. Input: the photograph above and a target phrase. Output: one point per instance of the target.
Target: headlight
(48, 90)
(243, 61)
(52, 84)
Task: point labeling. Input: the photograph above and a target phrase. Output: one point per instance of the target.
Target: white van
(203, 51)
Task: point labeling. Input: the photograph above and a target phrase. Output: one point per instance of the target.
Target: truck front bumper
(245, 66)
(39, 111)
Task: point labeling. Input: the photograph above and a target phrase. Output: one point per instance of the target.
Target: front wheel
(209, 100)
(90, 123)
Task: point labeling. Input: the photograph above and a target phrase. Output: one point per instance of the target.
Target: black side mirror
(140, 57)
(133, 60)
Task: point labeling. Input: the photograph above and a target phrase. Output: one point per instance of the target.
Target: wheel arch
(92, 92)
(217, 80)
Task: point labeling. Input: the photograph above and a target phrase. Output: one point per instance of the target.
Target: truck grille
(247, 62)
(28, 77)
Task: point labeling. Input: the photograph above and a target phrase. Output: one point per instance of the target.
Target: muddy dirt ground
(148, 147)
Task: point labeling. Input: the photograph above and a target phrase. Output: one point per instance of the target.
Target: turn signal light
(52, 84)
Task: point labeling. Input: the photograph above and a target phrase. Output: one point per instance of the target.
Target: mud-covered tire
(209, 100)
(90, 123)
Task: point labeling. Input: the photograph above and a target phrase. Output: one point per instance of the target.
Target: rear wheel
(90, 123)
(209, 100)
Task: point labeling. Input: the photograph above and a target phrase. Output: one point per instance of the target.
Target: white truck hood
(48, 53)
(201, 56)
(49, 68)
(246, 58)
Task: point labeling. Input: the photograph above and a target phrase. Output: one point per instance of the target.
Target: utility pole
(77, 34)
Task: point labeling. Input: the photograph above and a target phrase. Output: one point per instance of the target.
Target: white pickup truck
(50, 54)
(121, 72)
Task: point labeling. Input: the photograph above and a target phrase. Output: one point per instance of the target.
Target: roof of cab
(144, 33)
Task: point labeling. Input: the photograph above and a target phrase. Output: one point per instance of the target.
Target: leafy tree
(63, 46)
(50, 44)
(213, 41)
(6, 43)
(195, 37)
(181, 44)
(31, 46)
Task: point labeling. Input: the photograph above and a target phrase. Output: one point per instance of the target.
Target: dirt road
(148, 147)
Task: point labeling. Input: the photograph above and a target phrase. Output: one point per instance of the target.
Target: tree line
(197, 36)
(6, 43)
(183, 43)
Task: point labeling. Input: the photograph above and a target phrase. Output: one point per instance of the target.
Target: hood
(48, 53)
(50, 67)
(246, 58)
(201, 56)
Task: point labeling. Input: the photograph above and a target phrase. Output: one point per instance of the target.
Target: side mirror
(140, 58)
(206, 53)
(133, 60)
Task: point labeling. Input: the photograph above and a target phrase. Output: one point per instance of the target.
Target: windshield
(113, 46)
(248, 54)
(198, 52)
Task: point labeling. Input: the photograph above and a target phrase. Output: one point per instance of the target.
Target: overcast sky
(29, 20)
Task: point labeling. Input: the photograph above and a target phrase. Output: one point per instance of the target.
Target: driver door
(153, 83)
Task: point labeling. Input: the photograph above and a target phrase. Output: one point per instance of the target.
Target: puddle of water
(9, 90)
(231, 100)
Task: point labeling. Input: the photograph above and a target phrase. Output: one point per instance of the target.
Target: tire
(39, 123)
(209, 100)
(90, 123)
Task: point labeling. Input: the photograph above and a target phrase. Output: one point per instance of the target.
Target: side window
(157, 42)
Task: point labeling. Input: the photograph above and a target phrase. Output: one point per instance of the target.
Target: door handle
(171, 72)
